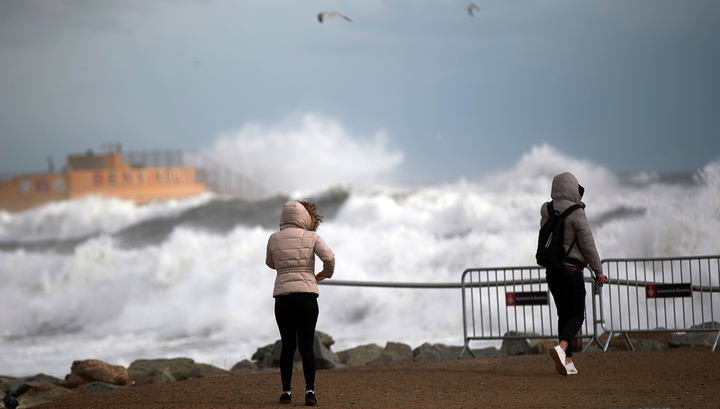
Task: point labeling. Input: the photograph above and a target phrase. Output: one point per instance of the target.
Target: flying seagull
(471, 7)
(331, 14)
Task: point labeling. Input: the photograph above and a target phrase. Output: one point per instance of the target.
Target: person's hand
(601, 279)
(319, 277)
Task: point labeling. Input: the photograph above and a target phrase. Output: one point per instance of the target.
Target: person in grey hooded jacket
(566, 283)
(291, 252)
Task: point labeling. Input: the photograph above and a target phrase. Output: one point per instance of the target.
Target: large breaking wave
(106, 279)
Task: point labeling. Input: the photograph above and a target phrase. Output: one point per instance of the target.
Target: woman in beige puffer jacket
(291, 251)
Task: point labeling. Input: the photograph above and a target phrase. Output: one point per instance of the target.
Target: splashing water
(120, 282)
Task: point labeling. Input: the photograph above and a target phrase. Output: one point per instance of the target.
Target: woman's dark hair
(314, 213)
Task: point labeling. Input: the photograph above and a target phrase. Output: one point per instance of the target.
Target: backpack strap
(569, 210)
(571, 246)
(565, 214)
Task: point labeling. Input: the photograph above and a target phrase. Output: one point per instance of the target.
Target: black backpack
(551, 251)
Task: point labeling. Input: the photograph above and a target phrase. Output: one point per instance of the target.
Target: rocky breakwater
(92, 375)
(267, 358)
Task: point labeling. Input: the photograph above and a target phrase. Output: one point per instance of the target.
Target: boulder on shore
(18, 386)
(325, 339)
(94, 370)
(360, 355)
(263, 356)
(206, 371)
(435, 352)
(244, 367)
(324, 357)
(41, 393)
(543, 347)
(706, 336)
(144, 371)
(514, 344)
(432, 352)
(394, 352)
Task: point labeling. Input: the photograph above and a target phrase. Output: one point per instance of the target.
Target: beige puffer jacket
(291, 252)
(565, 193)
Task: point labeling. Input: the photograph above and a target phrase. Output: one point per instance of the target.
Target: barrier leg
(466, 348)
(716, 341)
(585, 348)
(607, 342)
(627, 338)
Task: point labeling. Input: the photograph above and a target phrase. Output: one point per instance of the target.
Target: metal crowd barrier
(647, 295)
(512, 303)
(642, 296)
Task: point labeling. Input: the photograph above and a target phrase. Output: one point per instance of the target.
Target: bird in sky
(10, 402)
(331, 14)
(471, 7)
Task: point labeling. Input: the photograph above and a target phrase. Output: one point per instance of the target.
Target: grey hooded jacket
(566, 192)
(291, 251)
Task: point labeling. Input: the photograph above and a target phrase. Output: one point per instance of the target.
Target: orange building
(104, 174)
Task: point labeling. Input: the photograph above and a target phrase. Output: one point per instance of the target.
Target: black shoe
(285, 398)
(310, 399)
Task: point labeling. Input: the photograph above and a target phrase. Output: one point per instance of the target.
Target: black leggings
(296, 315)
(568, 290)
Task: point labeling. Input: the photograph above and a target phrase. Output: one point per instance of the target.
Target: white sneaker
(558, 355)
(570, 368)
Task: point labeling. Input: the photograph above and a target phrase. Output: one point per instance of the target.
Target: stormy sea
(106, 279)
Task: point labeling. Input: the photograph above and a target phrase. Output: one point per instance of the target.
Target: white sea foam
(69, 219)
(207, 295)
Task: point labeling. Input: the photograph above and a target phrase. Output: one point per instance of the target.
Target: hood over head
(294, 214)
(566, 187)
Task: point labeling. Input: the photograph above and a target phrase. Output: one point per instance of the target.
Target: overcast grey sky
(419, 88)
